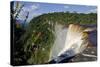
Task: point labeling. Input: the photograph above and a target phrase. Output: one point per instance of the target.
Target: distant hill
(67, 18)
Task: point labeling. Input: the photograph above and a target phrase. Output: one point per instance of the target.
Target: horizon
(36, 8)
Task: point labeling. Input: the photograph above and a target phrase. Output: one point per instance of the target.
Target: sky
(37, 8)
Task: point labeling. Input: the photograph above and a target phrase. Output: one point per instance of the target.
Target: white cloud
(66, 7)
(31, 8)
(34, 7)
(92, 11)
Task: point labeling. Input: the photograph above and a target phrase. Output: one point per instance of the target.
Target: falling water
(74, 38)
(60, 34)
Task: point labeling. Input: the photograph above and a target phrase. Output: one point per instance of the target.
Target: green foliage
(40, 41)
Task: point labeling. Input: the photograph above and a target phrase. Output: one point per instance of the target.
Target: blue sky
(36, 8)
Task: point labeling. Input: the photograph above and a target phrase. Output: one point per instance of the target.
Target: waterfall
(75, 38)
(60, 37)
